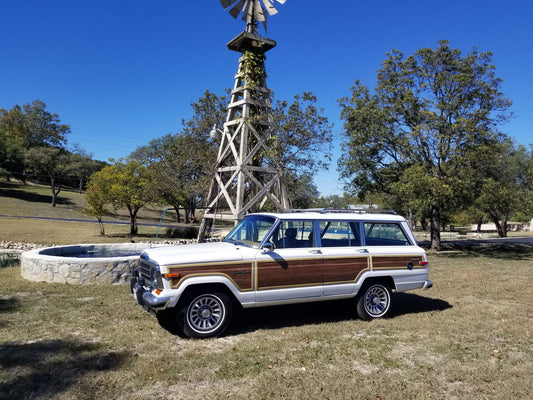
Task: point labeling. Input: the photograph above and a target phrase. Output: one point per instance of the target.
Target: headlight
(157, 281)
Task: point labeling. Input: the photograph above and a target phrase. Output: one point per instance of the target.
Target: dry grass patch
(64, 232)
(468, 337)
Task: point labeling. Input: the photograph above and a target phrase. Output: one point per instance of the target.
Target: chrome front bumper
(145, 297)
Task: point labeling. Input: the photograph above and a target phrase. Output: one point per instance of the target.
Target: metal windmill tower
(247, 177)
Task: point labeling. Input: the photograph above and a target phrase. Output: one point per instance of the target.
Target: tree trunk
(55, 191)
(101, 224)
(435, 228)
(178, 218)
(192, 217)
(501, 227)
(411, 219)
(479, 223)
(133, 221)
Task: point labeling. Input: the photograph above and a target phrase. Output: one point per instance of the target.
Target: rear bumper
(145, 297)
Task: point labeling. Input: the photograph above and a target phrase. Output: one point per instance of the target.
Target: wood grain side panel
(344, 269)
(240, 274)
(282, 273)
(395, 262)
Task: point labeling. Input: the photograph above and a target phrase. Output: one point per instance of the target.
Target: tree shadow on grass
(45, 369)
(506, 251)
(22, 194)
(294, 315)
(9, 305)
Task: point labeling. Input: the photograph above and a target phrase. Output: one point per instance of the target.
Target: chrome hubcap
(376, 300)
(205, 313)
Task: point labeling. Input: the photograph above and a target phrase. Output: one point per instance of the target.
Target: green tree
(96, 200)
(301, 142)
(179, 170)
(180, 165)
(11, 156)
(504, 187)
(209, 111)
(124, 184)
(301, 190)
(416, 136)
(50, 162)
(82, 166)
(26, 127)
(34, 125)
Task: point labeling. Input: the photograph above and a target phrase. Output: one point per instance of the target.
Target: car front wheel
(205, 315)
(374, 301)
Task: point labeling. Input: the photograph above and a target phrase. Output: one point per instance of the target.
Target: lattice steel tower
(247, 177)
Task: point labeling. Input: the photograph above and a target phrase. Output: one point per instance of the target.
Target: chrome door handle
(362, 250)
(315, 251)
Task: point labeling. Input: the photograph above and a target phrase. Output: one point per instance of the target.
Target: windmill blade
(248, 11)
(270, 7)
(252, 10)
(226, 3)
(237, 8)
(259, 13)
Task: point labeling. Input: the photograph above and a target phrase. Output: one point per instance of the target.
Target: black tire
(204, 314)
(374, 301)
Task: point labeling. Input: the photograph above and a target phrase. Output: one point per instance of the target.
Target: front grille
(149, 272)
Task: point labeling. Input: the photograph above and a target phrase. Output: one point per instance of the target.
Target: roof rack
(343, 210)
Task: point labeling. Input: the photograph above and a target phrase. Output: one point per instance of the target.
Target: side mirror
(268, 247)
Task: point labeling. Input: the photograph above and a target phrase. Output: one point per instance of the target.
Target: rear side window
(339, 233)
(385, 234)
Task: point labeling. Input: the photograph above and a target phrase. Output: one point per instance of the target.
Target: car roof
(337, 215)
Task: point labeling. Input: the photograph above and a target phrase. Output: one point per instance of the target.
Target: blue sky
(123, 72)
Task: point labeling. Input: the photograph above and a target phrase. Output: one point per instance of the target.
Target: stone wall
(59, 265)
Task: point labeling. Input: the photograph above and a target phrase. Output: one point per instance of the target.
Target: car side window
(339, 234)
(385, 234)
(293, 234)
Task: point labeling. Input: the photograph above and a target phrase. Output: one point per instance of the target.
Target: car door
(293, 269)
(344, 257)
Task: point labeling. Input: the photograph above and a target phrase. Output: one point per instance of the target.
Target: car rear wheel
(205, 315)
(374, 301)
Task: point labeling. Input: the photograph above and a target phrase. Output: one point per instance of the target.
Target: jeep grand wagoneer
(281, 258)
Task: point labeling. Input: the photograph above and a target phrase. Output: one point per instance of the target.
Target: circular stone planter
(84, 263)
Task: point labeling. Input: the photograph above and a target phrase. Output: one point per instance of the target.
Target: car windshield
(251, 230)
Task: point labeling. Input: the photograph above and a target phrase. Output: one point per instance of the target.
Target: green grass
(468, 337)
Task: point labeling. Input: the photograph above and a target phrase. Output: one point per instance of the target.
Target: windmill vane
(253, 11)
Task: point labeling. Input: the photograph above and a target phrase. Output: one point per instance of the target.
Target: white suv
(281, 258)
